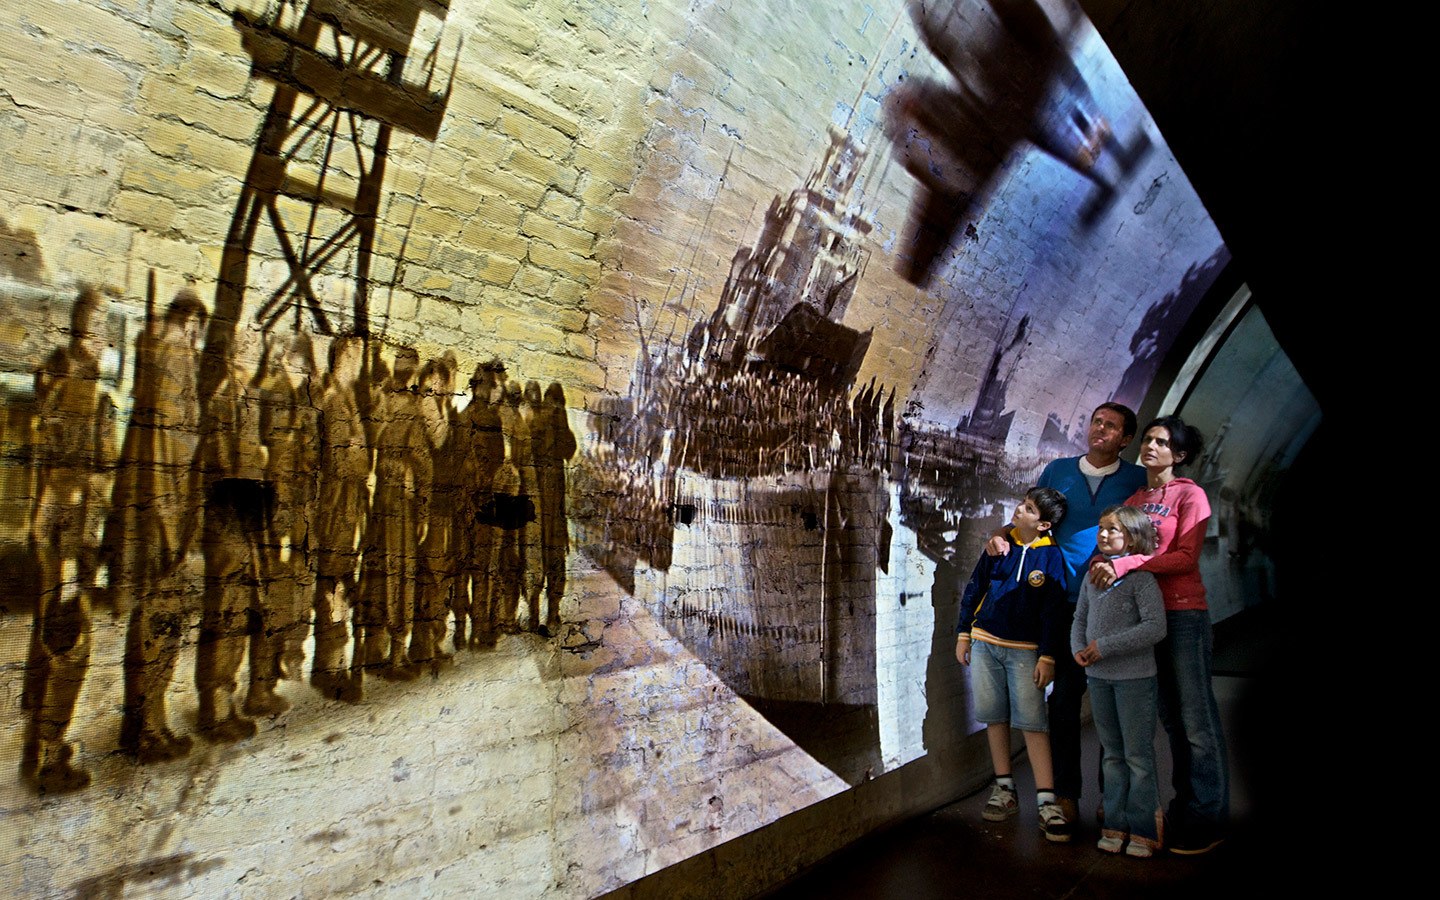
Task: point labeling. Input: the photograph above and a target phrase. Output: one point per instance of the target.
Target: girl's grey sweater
(1126, 620)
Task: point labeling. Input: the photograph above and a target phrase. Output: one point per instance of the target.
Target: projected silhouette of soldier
(866, 408)
(480, 451)
(887, 431)
(554, 444)
(289, 429)
(343, 496)
(437, 562)
(513, 510)
(73, 448)
(404, 472)
(238, 503)
(532, 545)
(161, 483)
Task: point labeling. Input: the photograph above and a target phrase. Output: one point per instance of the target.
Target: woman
(1179, 508)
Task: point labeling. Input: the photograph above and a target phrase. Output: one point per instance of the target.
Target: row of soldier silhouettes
(361, 504)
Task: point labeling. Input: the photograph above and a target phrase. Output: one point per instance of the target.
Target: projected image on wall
(527, 445)
(770, 489)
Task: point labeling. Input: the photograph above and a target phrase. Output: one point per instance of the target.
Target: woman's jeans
(1201, 774)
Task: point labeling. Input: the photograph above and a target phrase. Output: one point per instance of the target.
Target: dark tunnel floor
(953, 852)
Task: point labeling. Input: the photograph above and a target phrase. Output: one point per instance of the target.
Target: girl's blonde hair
(1139, 530)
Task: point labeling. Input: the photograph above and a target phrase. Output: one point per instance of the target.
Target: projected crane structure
(345, 79)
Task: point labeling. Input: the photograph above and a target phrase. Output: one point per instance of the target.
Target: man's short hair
(1127, 428)
(1050, 502)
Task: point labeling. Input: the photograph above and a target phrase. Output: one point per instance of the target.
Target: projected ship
(751, 475)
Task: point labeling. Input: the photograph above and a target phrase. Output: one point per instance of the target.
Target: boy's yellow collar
(1041, 540)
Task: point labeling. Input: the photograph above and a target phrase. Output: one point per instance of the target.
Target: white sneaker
(1002, 804)
(1139, 850)
(1053, 823)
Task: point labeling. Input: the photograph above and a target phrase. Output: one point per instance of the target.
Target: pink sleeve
(1183, 552)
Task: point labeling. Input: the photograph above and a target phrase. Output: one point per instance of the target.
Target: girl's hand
(1091, 654)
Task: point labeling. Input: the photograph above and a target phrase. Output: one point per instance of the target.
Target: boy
(1012, 622)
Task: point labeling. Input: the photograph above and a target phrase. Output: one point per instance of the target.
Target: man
(438, 563)
(554, 445)
(343, 468)
(161, 483)
(289, 429)
(239, 500)
(514, 511)
(480, 452)
(73, 448)
(400, 512)
(1090, 483)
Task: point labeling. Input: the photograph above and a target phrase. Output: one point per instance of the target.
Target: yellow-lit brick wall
(571, 210)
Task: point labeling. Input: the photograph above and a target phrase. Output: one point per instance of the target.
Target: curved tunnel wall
(705, 566)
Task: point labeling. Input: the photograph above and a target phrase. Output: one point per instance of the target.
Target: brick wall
(565, 189)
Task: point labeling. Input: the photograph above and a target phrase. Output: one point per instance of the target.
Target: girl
(1113, 637)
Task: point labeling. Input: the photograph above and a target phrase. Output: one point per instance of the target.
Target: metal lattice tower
(308, 209)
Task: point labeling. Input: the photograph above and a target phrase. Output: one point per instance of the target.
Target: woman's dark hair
(1186, 442)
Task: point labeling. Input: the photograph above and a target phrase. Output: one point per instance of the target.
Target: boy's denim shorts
(1002, 685)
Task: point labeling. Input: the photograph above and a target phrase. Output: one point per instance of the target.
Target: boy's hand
(997, 545)
(1102, 574)
(962, 651)
(1091, 654)
(1044, 673)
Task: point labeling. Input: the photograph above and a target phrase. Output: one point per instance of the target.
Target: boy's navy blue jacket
(1019, 599)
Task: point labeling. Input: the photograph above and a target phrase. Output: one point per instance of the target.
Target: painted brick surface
(732, 654)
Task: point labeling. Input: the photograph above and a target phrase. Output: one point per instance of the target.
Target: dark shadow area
(1296, 731)
(156, 873)
(1244, 641)
(947, 685)
(843, 737)
(22, 580)
(20, 256)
